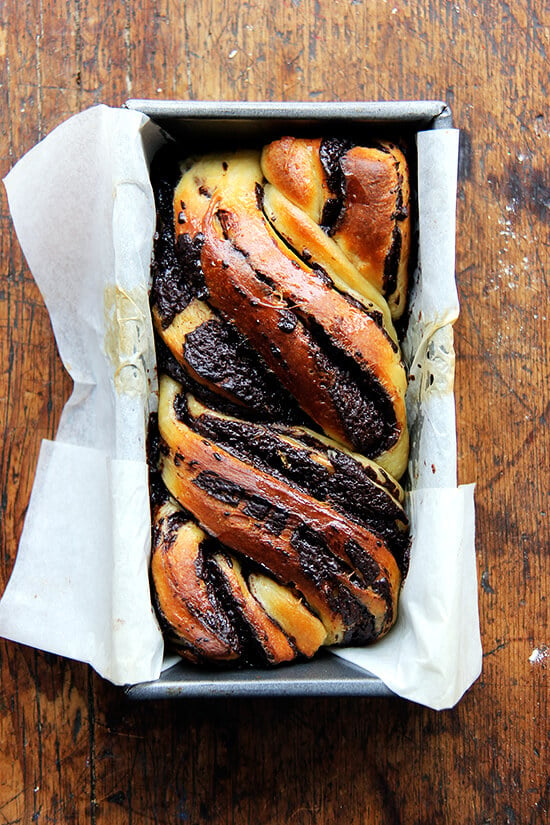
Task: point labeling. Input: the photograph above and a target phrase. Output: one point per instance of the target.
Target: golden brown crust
(371, 210)
(275, 644)
(374, 230)
(335, 353)
(294, 168)
(189, 578)
(278, 540)
(198, 626)
(319, 250)
(254, 279)
(305, 543)
(213, 612)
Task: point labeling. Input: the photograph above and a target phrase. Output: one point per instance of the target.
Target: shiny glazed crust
(320, 573)
(334, 351)
(282, 418)
(368, 189)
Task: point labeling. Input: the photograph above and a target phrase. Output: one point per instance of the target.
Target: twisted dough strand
(333, 350)
(276, 281)
(334, 575)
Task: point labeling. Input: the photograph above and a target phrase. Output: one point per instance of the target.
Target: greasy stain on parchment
(126, 337)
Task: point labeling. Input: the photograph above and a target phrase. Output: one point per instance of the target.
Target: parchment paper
(83, 209)
(433, 653)
(80, 583)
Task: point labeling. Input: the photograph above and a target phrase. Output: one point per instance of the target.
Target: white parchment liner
(83, 209)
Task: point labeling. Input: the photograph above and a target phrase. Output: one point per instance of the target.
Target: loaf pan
(206, 125)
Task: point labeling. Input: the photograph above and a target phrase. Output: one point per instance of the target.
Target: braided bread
(277, 524)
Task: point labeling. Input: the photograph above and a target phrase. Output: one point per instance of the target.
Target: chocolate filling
(252, 652)
(259, 192)
(165, 174)
(315, 557)
(364, 563)
(391, 263)
(176, 272)
(348, 488)
(287, 321)
(257, 508)
(171, 291)
(220, 488)
(364, 406)
(274, 518)
(217, 619)
(168, 365)
(158, 493)
(323, 568)
(218, 352)
(331, 151)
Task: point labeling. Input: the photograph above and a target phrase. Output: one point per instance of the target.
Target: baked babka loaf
(277, 523)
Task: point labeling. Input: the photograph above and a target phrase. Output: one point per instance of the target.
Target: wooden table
(71, 748)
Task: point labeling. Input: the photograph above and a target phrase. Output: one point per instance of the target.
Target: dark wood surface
(72, 750)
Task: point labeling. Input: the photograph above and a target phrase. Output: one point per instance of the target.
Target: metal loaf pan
(204, 125)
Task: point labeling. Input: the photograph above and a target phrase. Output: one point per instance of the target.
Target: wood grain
(71, 749)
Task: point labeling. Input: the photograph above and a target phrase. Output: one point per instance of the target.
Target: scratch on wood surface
(78, 51)
(91, 743)
(39, 38)
(3, 38)
(38, 780)
(532, 437)
(495, 649)
(187, 53)
(128, 47)
(485, 582)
